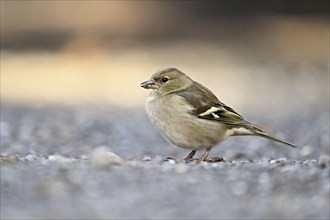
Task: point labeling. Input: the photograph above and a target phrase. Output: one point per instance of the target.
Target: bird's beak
(150, 84)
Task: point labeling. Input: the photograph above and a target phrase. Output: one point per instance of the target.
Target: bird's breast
(172, 117)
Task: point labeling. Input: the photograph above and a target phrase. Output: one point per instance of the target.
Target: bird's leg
(211, 160)
(204, 156)
(190, 156)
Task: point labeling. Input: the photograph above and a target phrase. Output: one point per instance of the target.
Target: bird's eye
(164, 79)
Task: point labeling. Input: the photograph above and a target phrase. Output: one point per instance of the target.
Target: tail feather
(271, 137)
(250, 129)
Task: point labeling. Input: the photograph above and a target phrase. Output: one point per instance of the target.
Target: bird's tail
(253, 130)
(273, 138)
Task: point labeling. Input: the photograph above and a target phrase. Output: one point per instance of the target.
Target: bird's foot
(214, 160)
(191, 160)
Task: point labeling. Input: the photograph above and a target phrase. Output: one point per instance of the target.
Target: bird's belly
(180, 129)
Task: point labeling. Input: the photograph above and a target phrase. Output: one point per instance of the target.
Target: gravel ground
(95, 162)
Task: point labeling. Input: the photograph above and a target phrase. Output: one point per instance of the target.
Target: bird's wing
(206, 106)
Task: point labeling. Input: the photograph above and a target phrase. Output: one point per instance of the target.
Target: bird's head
(167, 80)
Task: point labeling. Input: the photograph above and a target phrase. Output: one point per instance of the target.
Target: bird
(188, 114)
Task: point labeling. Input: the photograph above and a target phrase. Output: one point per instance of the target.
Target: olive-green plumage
(189, 115)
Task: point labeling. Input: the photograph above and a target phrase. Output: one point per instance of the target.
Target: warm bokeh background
(263, 55)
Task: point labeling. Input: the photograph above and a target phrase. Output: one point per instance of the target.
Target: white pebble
(59, 159)
(31, 157)
(281, 160)
(102, 157)
(146, 158)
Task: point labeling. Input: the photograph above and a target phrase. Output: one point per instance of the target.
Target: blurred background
(253, 55)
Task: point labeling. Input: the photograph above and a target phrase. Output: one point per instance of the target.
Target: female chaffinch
(189, 115)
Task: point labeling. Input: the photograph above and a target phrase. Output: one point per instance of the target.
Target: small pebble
(102, 157)
(146, 158)
(59, 159)
(324, 161)
(281, 161)
(309, 162)
(30, 157)
(169, 160)
(84, 157)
